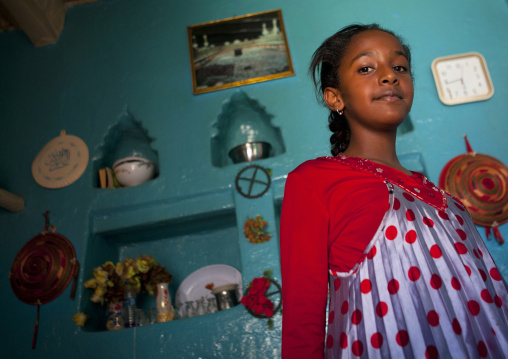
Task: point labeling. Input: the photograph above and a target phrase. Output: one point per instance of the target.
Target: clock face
(462, 78)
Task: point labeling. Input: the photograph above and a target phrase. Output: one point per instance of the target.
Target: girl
(407, 273)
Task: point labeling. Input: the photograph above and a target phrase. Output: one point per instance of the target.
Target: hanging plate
(43, 268)
(481, 183)
(61, 162)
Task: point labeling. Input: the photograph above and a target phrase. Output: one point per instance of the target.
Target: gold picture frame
(238, 51)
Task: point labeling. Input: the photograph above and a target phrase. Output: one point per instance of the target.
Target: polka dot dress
(425, 288)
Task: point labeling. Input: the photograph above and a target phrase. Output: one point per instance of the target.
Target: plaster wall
(119, 56)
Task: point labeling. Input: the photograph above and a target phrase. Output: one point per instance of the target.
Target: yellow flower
(101, 276)
(136, 283)
(96, 299)
(91, 283)
(101, 280)
(119, 269)
(128, 272)
(80, 319)
(127, 262)
(150, 260)
(143, 265)
(100, 291)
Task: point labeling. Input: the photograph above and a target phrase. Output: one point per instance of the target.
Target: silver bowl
(250, 151)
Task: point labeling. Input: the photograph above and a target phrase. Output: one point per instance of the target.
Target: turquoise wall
(119, 56)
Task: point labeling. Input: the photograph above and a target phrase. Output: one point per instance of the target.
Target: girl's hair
(324, 73)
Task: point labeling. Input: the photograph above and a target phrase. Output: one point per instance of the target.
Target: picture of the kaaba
(238, 51)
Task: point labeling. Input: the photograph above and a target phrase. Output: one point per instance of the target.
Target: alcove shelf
(128, 140)
(244, 121)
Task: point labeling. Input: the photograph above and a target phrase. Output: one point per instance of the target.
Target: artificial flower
(91, 283)
(254, 230)
(80, 319)
(249, 300)
(143, 265)
(264, 306)
(96, 298)
(256, 299)
(142, 273)
(119, 268)
(100, 291)
(259, 286)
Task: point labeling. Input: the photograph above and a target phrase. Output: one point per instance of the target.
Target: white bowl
(132, 171)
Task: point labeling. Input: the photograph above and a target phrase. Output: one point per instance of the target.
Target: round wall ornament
(481, 182)
(60, 162)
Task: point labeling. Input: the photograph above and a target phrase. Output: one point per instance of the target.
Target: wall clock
(462, 78)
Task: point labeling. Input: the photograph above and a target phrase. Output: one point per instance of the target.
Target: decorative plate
(481, 182)
(60, 162)
(43, 268)
(194, 286)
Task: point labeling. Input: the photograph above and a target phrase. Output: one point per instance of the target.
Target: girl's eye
(400, 68)
(365, 69)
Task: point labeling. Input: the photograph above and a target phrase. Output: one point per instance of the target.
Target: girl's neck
(379, 150)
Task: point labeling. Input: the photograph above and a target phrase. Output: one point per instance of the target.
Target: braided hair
(324, 72)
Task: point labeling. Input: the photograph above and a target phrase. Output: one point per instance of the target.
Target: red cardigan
(330, 213)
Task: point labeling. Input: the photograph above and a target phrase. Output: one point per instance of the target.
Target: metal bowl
(250, 151)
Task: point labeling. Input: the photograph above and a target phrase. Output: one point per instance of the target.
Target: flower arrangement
(254, 230)
(256, 300)
(80, 318)
(142, 273)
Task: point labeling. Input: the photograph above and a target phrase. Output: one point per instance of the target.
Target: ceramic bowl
(250, 151)
(132, 171)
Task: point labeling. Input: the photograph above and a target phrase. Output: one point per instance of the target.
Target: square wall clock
(462, 78)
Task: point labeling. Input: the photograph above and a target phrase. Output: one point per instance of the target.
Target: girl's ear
(333, 100)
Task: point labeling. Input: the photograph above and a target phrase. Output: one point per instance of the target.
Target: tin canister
(226, 296)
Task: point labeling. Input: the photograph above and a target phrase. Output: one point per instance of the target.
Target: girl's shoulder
(320, 165)
(324, 172)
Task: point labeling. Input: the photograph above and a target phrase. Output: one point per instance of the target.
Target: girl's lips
(389, 95)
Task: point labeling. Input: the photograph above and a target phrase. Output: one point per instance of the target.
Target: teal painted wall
(131, 55)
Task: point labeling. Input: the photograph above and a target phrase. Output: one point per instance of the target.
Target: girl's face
(376, 88)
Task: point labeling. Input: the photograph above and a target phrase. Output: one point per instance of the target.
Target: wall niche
(181, 244)
(127, 157)
(244, 133)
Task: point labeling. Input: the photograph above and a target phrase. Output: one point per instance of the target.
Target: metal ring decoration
(43, 268)
(481, 183)
(279, 305)
(251, 175)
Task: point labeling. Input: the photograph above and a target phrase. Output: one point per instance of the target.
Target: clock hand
(451, 82)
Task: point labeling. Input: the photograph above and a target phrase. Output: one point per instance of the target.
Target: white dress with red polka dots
(426, 288)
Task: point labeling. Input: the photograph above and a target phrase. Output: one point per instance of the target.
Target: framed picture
(238, 51)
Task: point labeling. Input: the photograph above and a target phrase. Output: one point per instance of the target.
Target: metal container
(250, 151)
(226, 296)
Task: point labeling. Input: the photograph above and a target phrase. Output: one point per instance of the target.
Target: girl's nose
(388, 76)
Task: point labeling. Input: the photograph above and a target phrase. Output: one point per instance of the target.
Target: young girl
(406, 272)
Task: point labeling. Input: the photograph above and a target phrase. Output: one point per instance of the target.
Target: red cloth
(330, 213)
